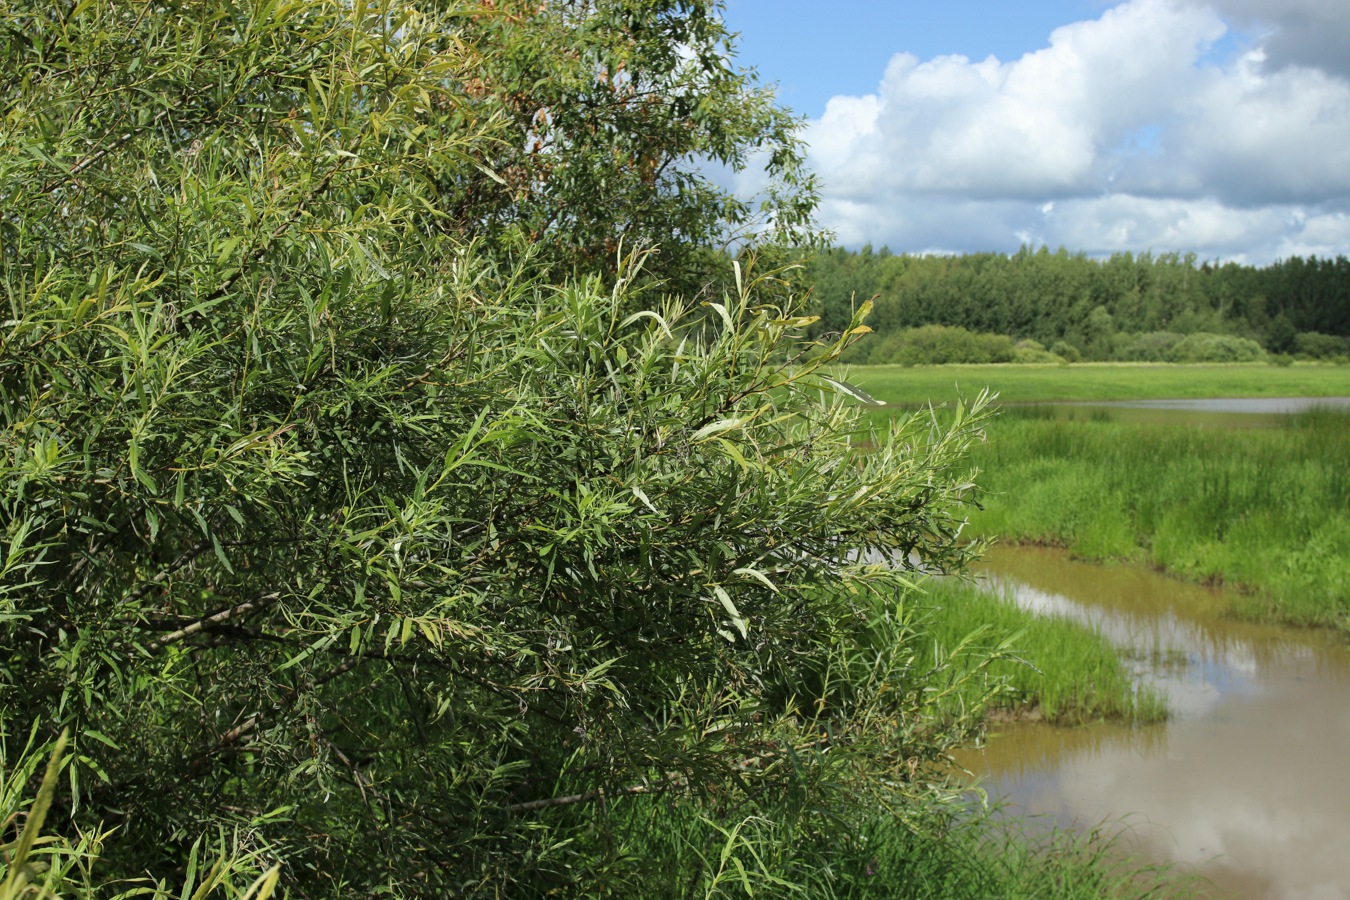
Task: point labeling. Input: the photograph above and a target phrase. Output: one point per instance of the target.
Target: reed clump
(1050, 667)
(952, 853)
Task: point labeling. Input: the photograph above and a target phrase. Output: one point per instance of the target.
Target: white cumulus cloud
(1216, 127)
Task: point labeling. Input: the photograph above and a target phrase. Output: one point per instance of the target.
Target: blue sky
(814, 50)
(1219, 127)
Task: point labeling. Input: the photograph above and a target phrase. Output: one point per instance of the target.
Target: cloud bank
(1218, 127)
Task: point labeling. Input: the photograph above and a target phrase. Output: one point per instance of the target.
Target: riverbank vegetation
(930, 851)
(1264, 509)
(1051, 668)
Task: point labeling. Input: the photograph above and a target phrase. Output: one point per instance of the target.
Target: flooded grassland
(1263, 509)
(1208, 543)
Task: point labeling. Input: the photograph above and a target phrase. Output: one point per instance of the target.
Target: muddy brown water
(1248, 784)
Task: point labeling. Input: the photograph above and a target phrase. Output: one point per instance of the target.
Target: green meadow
(916, 385)
(1265, 509)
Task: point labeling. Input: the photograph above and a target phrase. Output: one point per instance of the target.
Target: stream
(1247, 784)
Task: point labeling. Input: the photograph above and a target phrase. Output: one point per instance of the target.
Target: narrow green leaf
(756, 574)
(226, 248)
(37, 815)
(853, 391)
(717, 427)
(638, 493)
(736, 619)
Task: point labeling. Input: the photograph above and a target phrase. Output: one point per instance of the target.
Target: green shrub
(323, 527)
(935, 345)
(441, 565)
(1066, 351)
(1202, 347)
(876, 348)
(997, 348)
(1311, 345)
(1148, 346)
(1029, 352)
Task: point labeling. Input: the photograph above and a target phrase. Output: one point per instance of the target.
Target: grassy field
(1068, 673)
(1097, 381)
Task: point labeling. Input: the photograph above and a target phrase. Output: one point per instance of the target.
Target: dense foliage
(1123, 308)
(934, 345)
(608, 110)
(336, 536)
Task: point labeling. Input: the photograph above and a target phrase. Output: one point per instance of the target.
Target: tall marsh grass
(36, 864)
(671, 849)
(1059, 669)
(1267, 510)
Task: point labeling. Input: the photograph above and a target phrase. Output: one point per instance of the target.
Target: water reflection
(1268, 405)
(1239, 412)
(1249, 781)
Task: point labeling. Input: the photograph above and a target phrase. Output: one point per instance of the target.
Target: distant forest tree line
(1038, 305)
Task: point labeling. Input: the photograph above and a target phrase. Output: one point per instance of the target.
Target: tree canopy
(335, 522)
(1125, 307)
(611, 110)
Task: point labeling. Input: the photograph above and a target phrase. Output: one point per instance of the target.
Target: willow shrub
(397, 566)
(354, 580)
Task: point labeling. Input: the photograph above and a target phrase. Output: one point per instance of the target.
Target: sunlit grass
(1068, 672)
(1098, 381)
(1263, 509)
(936, 853)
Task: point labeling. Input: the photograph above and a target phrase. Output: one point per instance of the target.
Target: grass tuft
(1063, 671)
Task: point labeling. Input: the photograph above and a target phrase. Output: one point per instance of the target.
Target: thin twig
(213, 619)
(351, 767)
(571, 799)
(250, 724)
(159, 578)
